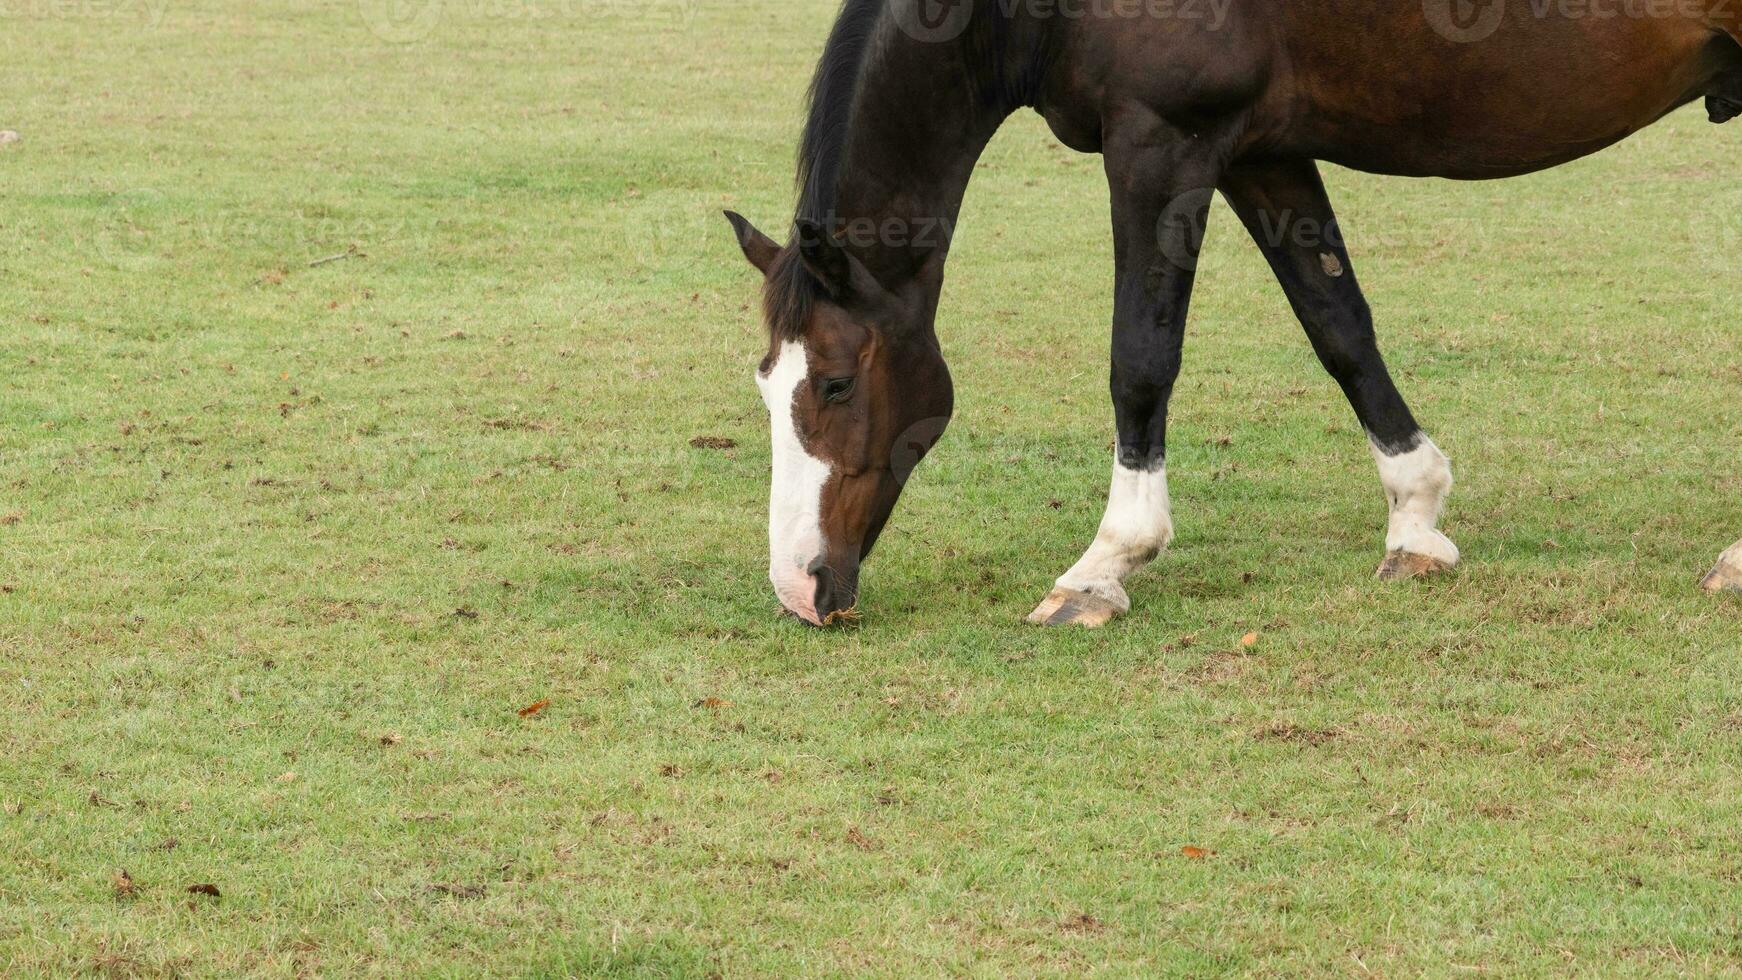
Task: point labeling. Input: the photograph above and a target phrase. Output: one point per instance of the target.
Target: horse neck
(925, 111)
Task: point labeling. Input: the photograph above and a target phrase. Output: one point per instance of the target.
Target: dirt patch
(1290, 732)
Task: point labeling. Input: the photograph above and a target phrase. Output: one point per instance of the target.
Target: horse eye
(837, 389)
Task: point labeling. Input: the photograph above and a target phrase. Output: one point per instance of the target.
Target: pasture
(372, 371)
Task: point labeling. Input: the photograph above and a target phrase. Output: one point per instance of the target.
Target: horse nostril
(825, 594)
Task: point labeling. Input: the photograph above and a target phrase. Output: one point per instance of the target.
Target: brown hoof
(1407, 564)
(1063, 606)
(1726, 577)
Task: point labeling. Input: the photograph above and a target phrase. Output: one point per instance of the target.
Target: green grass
(291, 543)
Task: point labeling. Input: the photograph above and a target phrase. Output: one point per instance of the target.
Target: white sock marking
(795, 496)
(1416, 484)
(1136, 527)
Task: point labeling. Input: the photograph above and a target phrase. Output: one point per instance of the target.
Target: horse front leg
(1726, 576)
(1161, 185)
(1284, 206)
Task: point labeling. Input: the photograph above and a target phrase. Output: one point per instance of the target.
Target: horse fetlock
(1104, 587)
(1134, 547)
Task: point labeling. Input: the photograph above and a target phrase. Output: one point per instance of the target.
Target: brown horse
(1182, 98)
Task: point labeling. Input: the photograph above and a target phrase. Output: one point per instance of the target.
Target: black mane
(792, 290)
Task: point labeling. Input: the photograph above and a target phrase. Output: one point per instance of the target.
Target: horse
(1183, 99)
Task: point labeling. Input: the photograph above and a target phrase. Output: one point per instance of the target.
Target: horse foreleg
(1726, 576)
(1161, 187)
(1284, 206)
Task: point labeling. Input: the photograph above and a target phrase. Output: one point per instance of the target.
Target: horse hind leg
(1288, 213)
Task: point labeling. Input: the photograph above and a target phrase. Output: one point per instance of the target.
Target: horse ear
(824, 257)
(758, 248)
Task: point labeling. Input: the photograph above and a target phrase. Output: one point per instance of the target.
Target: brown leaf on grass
(534, 708)
(713, 703)
(1082, 922)
(1290, 732)
(858, 839)
(532, 425)
(392, 739)
(713, 442)
(8, 588)
(11, 517)
(1196, 853)
(170, 843)
(1249, 640)
(123, 884)
(205, 888)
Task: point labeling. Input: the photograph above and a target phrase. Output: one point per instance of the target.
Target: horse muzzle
(820, 592)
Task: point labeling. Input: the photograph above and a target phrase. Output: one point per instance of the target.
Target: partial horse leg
(1727, 575)
(1161, 189)
(1285, 207)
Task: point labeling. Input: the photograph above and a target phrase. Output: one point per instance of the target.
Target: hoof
(1726, 577)
(1063, 606)
(1407, 564)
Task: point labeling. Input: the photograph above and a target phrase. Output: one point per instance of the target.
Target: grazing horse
(1182, 98)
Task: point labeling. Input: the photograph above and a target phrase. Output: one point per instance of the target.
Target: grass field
(285, 543)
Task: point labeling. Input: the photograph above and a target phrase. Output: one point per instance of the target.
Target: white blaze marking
(1416, 484)
(795, 497)
(1136, 527)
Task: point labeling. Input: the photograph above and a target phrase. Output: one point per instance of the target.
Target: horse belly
(1402, 99)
